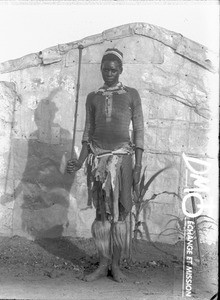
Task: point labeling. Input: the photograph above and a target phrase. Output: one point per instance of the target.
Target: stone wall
(173, 76)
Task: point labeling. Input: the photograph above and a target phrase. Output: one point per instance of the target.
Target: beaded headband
(114, 52)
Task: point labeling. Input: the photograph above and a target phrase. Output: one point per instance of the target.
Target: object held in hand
(73, 165)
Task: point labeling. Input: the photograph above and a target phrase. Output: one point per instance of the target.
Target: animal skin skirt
(109, 180)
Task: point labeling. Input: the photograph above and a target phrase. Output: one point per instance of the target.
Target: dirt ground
(51, 269)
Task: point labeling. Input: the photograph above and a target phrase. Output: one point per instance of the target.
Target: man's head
(111, 66)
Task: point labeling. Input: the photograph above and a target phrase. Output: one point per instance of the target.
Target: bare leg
(119, 243)
(116, 272)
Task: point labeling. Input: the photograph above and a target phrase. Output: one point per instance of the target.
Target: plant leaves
(153, 197)
(142, 179)
(206, 221)
(174, 229)
(173, 216)
(205, 216)
(144, 204)
(171, 220)
(146, 186)
(173, 233)
(147, 233)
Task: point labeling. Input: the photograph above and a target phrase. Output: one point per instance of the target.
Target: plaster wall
(173, 76)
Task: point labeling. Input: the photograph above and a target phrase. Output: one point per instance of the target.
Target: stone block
(162, 135)
(176, 111)
(68, 84)
(167, 181)
(8, 98)
(163, 35)
(33, 83)
(92, 40)
(133, 76)
(154, 106)
(27, 61)
(4, 142)
(187, 92)
(194, 73)
(166, 136)
(150, 136)
(198, 53)
(145, 108)
(169, 159)
(198, 139)
(179, 136)
(117, 32)
(196, 118)
(64, 48)
(150, 160)
(130, 46)
(71, 57)
(50, 55)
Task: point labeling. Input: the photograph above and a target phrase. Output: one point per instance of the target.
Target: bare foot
(117, 274)
(102, 271)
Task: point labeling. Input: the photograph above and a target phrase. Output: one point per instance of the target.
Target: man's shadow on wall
(42, 197)
(46, 174)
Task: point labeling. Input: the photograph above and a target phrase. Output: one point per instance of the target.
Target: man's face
(110, 72)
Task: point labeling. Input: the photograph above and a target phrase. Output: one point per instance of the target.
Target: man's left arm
(138, 134)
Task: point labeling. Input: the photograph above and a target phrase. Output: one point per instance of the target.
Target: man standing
(107, 146)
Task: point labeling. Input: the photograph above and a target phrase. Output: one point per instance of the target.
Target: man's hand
(73, 165)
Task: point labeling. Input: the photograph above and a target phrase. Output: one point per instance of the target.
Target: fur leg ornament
(120, 236)
(101, 232)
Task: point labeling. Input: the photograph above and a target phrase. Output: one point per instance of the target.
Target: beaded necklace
(108, 93)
